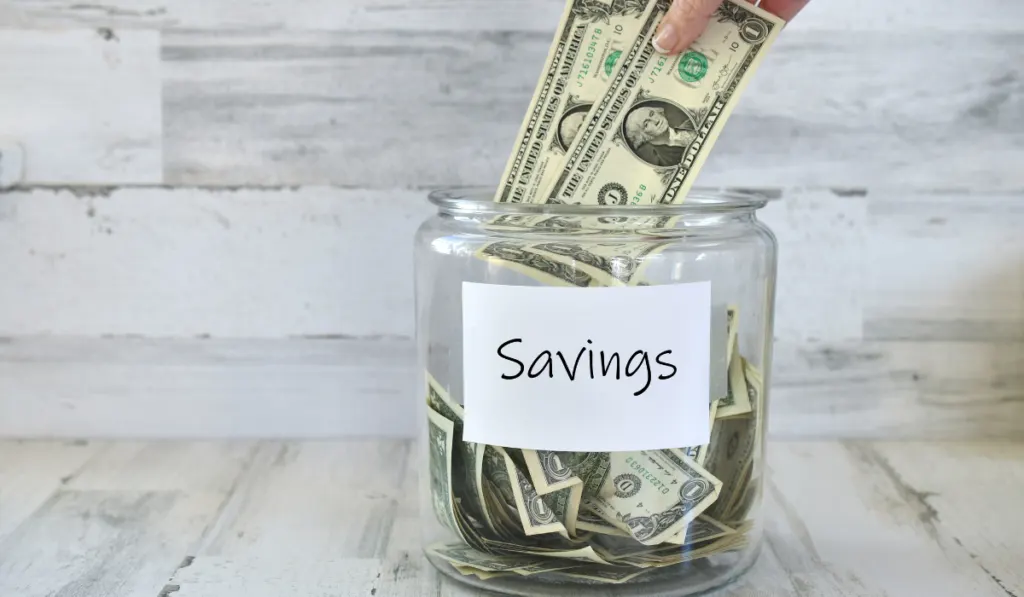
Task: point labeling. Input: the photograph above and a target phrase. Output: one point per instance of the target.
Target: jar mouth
(700, 200)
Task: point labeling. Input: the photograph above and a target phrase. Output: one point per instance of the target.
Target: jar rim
(700, 200)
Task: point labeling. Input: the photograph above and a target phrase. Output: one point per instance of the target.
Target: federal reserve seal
(612, 194)
(627, 485)
(693, 66)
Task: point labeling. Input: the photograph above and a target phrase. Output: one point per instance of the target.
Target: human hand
(687, 19)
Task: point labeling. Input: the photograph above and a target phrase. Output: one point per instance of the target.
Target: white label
(587, 369)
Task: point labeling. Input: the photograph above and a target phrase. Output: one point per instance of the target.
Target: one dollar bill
(586, 52)
(649, 134)
(651, 494)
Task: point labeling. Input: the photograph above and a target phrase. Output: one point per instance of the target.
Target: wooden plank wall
(211, 232)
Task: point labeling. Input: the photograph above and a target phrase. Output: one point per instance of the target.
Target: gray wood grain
(436, 108)
(321, 261)
(329, 388)
(292, 519)
(332, 536)
(24, 488)
(968, 516)
(900, 313)
(875, 537)
(468, 15)
(273, 263)
(205, 388)
(945, 267)
(83, 106)
(123, 531)
(899, 389)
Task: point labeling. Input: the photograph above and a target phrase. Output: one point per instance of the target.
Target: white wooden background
(211, 230)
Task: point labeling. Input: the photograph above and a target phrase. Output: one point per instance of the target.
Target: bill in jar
(648, 136)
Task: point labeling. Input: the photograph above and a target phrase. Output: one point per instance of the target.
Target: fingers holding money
(687, 19)
(784, 9)
(684, 22)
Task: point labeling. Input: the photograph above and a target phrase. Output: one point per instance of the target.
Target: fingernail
(666, 39)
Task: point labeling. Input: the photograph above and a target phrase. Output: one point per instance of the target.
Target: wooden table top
(319, 518)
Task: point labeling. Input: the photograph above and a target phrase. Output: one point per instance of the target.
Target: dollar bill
(470, 466)
(529, 546)
(588, 521)
(547, 268)
(474, 454)
(440, 432)
(587, 553)
(566, 506)
(755, 395)
(502, 514)
(743, 484)
(439, 400)
(618, 261)
(652, 494)
(545, 566)
(683, 555)
(737, 401)
(564, 502)
(699, 453)
(603, 574)
(481, 574)
(584, 554)
(584, 55)
(702, 529)
(690, 452)
(732, 446)
(732, 318)
(536, 514)
(616, 549)
(576, 225)
(748, 486)
(516, 498)
(649, 134)
(551, 471)
(501, 497)
(756, 390)
(464, 555)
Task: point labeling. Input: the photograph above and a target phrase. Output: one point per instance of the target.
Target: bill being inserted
(587, 51)
(649, 133)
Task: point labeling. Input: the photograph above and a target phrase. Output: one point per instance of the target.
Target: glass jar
(565, 494)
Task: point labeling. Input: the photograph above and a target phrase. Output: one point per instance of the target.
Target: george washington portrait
(658, 132)
(570, 124)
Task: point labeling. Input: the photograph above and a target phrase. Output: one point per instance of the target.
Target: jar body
(531, 520)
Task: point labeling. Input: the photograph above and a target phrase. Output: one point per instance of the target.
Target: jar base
(681, 580)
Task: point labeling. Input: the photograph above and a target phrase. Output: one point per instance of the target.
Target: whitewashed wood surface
(294, 519)
(303, 107)
(216, 202)
(470, 15)
(83, 104)
(361, 93)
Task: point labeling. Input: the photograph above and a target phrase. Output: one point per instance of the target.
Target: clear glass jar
(524, 521)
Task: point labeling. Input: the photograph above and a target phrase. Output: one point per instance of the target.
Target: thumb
(683, 23)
